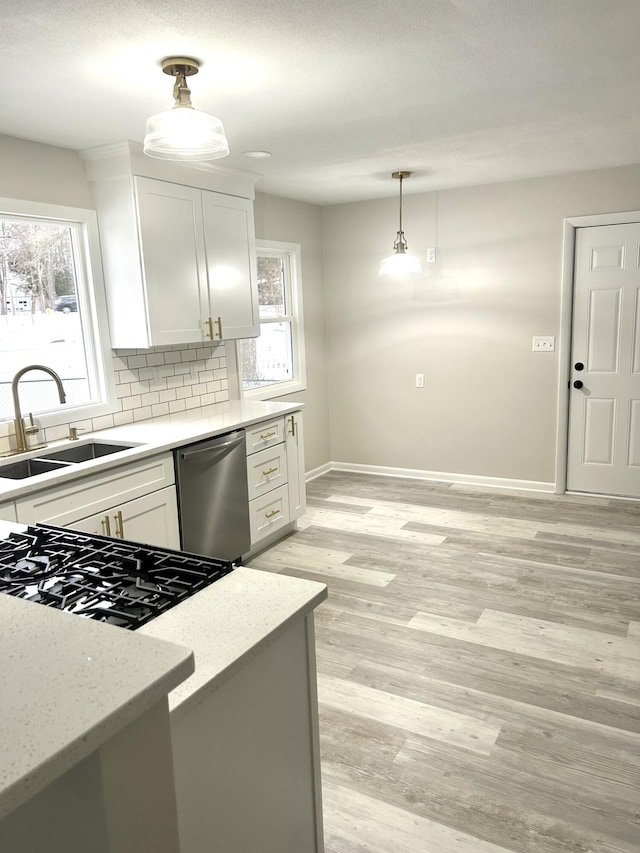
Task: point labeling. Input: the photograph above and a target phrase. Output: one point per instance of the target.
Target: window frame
(290, 253)
(90, 290)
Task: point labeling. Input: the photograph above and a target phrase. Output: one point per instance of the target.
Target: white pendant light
(184, 133)
(401, 262)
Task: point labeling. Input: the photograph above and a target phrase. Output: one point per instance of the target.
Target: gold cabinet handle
(219, 325)
(106, 526)
(271, 514)
(292, 431)
(269, 471)
(209, 334)
(265, 435)
(119, 524)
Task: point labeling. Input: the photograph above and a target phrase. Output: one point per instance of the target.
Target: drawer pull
(271, 514)
(119, 524)
(269, 471)
(265, 435)
(106, 526)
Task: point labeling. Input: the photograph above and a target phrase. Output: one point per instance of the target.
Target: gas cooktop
(98, 577)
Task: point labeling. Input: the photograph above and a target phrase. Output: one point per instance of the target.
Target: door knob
(578, 383)
(579, 365)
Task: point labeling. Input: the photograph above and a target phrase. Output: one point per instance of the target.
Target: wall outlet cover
(544, 344)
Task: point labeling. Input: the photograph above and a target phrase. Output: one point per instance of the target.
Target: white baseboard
(317, 472)
(437, 476)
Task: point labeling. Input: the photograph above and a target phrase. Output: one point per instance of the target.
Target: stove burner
(97, 577)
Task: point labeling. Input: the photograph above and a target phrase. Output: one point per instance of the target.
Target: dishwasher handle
(212, 445)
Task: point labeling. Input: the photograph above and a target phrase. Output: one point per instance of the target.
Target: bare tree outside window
(273, 363)
(39, 317)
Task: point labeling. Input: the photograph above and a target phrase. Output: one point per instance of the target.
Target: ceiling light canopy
(184, 133)
(401, 262)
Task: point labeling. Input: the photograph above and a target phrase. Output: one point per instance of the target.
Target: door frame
(570, 224)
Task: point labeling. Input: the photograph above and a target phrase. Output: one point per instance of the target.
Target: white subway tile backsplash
(150, 399)
(150, 383)
(105, 422)
(137, 361)
(134, 402)
(121, 418)
(142, 414)
(159, 409)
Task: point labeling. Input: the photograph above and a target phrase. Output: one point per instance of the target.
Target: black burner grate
(122, 583)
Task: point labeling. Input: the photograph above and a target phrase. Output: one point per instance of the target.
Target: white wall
(297, 222)
(44, 173)
(488, 407)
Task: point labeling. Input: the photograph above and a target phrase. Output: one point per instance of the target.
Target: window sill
(270, 392)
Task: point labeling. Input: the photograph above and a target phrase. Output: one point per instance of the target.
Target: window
(273, 364)
(52, 312)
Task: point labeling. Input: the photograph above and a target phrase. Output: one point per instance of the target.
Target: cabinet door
(295, 464)
(8, 512)
(231, 265)
(151, 519)
(173, 261)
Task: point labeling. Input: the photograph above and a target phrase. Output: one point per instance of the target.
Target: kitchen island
(85, 750)
(243, 727)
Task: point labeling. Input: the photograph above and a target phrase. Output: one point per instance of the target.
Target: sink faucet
(21, 430)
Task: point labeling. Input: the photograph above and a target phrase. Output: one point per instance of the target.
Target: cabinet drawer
(265, 435)
(266, 470)
(268, 513)
(64, 505)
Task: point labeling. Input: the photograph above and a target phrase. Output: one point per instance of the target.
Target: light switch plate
(544, 344)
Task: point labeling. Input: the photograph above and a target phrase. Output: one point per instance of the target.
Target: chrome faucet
(21, 430)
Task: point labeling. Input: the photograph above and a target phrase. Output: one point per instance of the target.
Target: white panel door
(604, 409)
(231, 265)
(172, 248)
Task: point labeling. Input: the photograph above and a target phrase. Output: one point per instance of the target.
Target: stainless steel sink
(56, 460)
(85, 452)
(29, 468)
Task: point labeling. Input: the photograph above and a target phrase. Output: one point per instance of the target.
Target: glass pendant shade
(399, 264)
(184, 133)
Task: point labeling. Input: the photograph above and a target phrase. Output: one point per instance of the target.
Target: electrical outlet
(542, 344)
(193, 371)
(419, 380)
(431, 255)
(156, 376)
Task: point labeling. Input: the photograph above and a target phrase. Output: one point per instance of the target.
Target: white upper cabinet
(231, 265)
(173, 277)
(179, 259)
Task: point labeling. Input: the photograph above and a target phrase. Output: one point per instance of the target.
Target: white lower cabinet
(151, 519)
(275, 473)
(294, 443)
(135, 501)
(8, 511)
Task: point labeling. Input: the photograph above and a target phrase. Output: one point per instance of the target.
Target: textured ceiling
(341, 92)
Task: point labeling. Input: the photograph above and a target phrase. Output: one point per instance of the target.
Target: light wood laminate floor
(478, 666)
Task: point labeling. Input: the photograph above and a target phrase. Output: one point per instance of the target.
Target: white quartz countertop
(228, 623)
(152, 436)
(71, 683)
(68, 685)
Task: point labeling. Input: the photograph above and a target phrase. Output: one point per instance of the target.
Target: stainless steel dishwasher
(213, 499)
